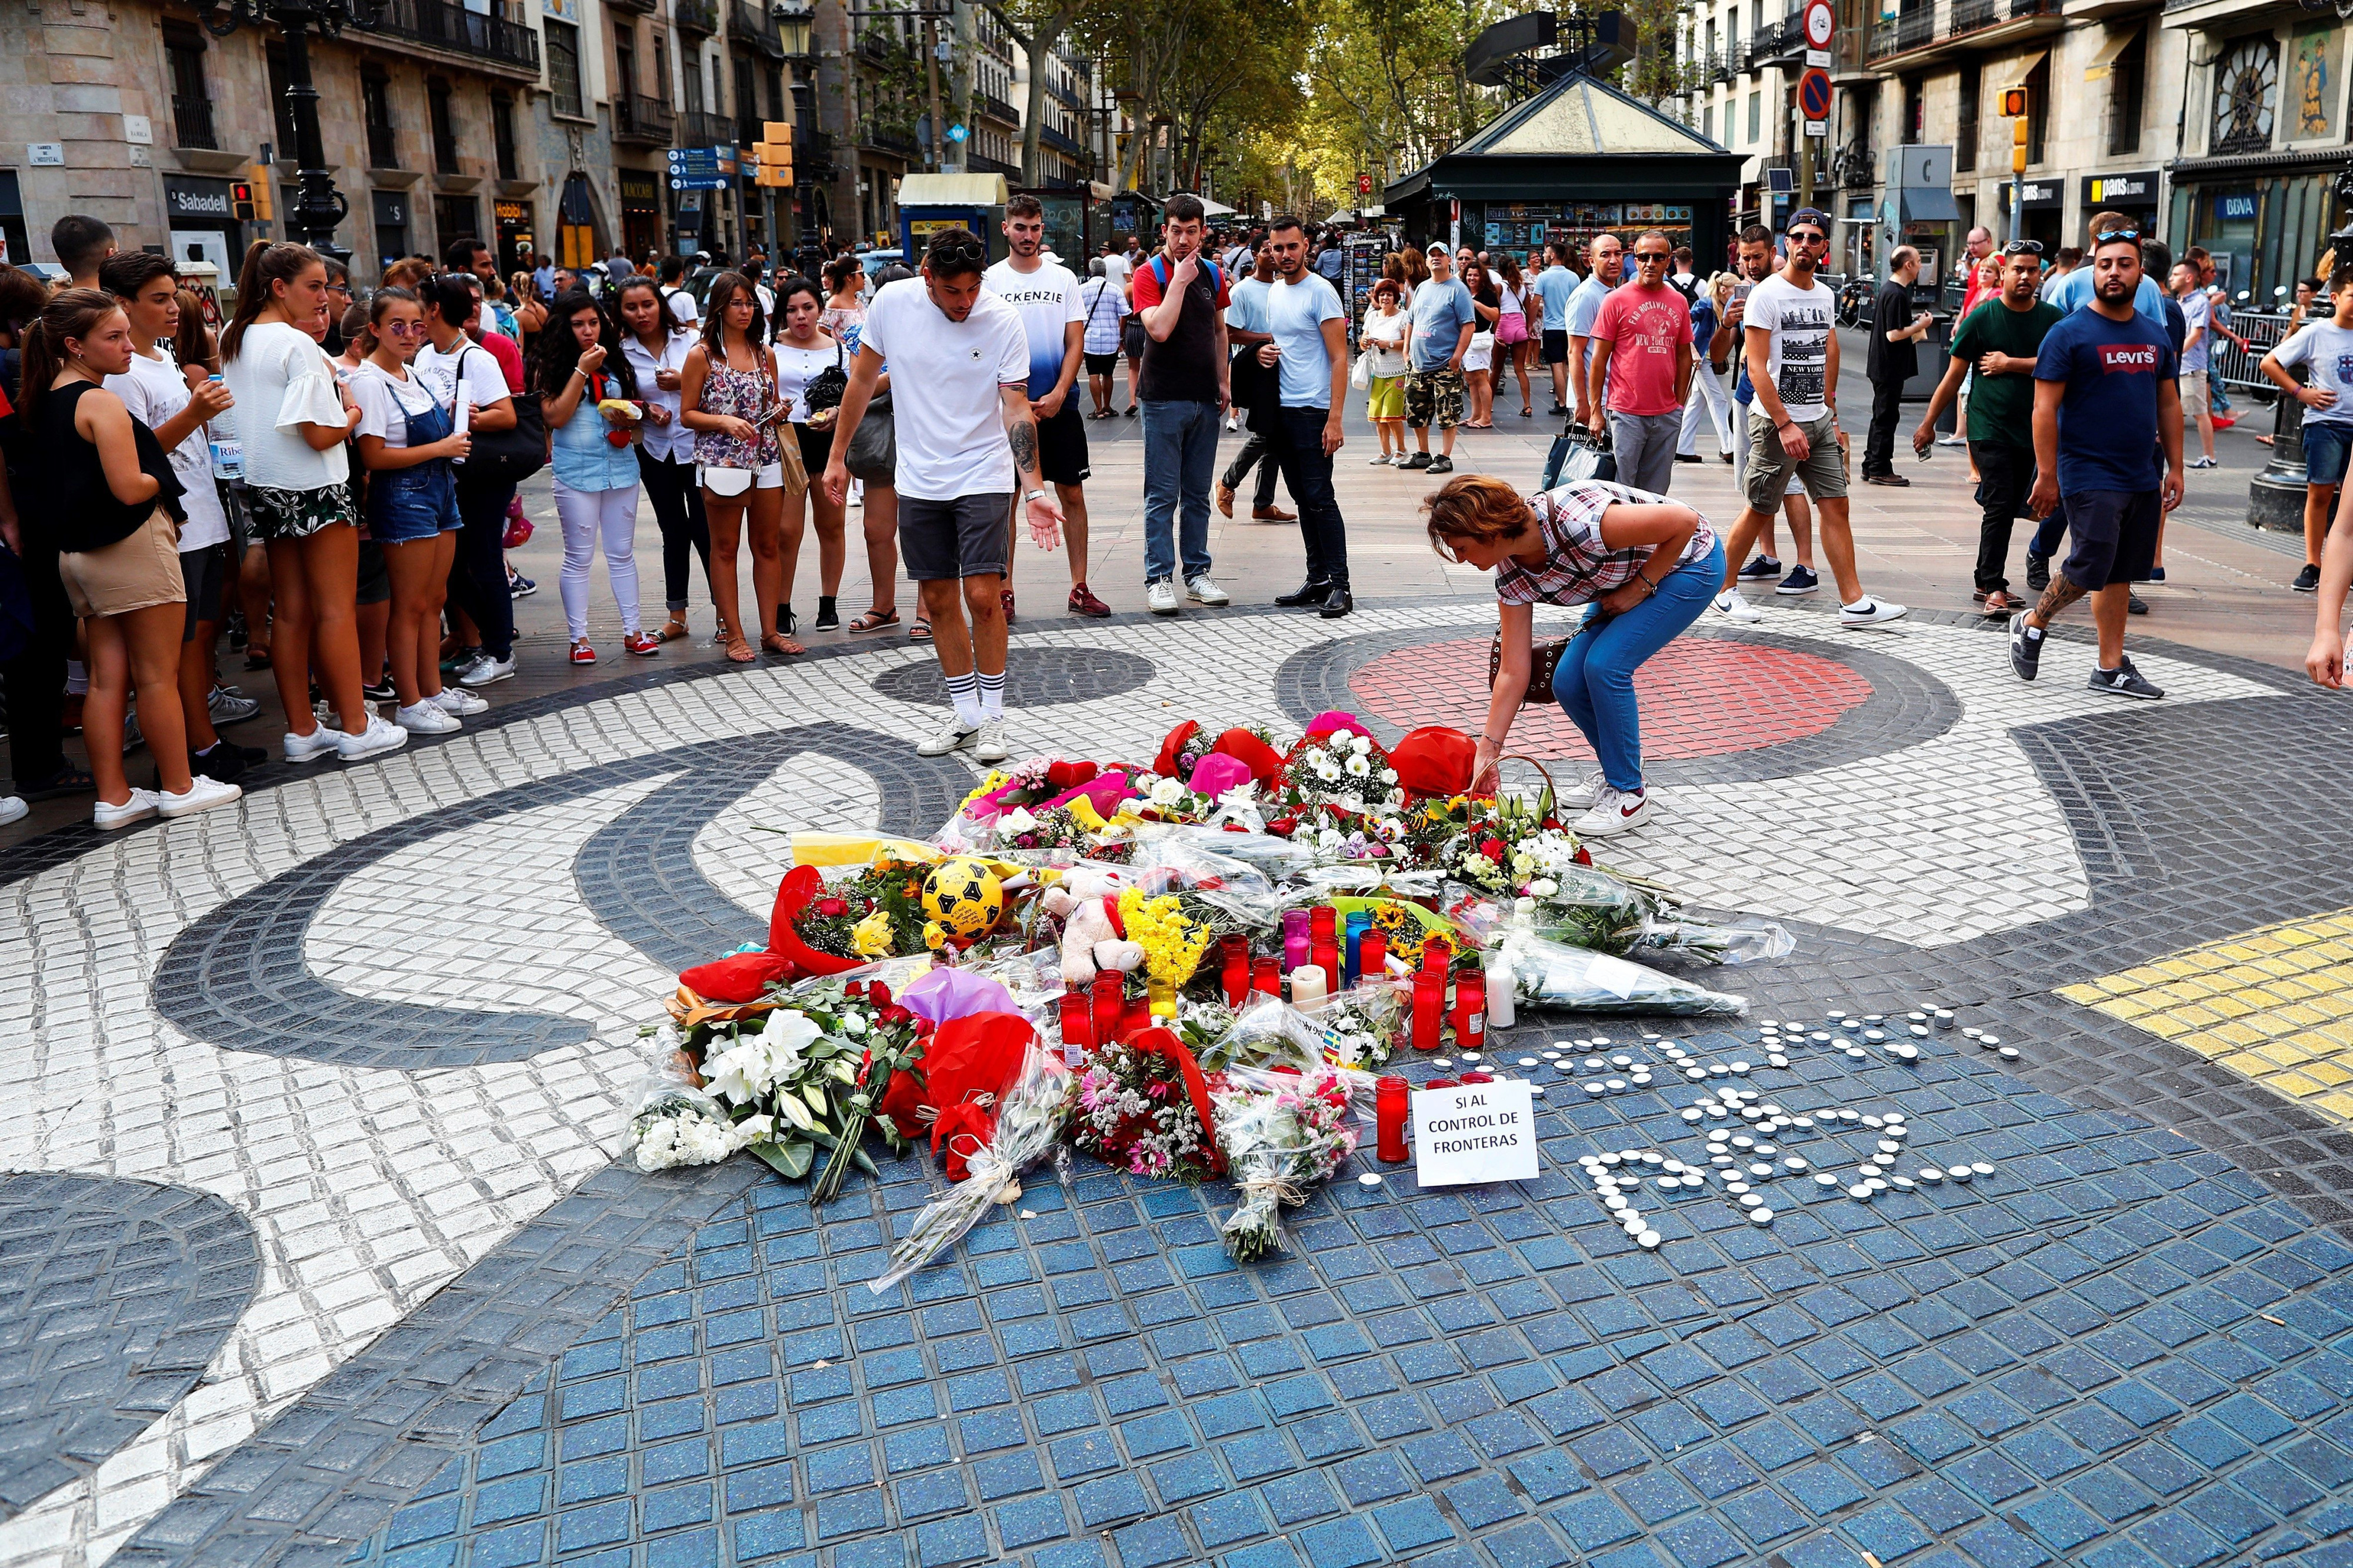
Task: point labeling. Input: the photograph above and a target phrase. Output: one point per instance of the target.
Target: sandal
(873, 621)
(256, 656)
(781, 646)
(921, 631)
(672, 630)
(739, 651)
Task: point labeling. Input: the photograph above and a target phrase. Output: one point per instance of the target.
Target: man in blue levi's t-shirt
(2105, 399)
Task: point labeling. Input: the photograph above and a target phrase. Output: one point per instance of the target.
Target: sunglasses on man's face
(1658, 256)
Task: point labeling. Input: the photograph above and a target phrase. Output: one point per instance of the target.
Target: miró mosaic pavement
(316, 1249)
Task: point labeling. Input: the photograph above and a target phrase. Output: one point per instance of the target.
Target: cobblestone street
(317, 1250)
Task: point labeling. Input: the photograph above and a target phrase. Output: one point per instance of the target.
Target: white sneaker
(1383, 462)
(1733, 607)
(1580, 795)
(458, 703)
(988, 741)
(203, 794)
(379, 736)
(426, 718)
(1201, 591)
(12, 809)
(138, 808)
(486, 670)
(1232, 424)
(952, 736)
(309, 747)
(1870, 613)
(1160, 598)
(1617, 811)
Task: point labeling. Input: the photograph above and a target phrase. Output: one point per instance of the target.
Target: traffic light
(2018, 145)
(2013, 102)
(241, 195)
(261, 209)
(775, 153)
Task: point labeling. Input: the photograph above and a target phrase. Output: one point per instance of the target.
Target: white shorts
(735, 481)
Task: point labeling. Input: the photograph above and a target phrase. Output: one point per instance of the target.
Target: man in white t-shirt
(966, 447)
(2323, 344)
(159, 397)
(1307, 329)
(680, 299)
(1792, 352)
(1053, 320)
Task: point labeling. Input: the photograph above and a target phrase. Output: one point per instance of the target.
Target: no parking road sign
(1814, 94)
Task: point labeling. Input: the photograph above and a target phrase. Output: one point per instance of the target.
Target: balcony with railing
(698, 15)
(1060, 140)
(699, 130)
(642, 7)
(192, 121)
(1931, 32)
(987, 106)
(437, 25)
(1778, 43)
(749, 22)
(642, 120)
(896, 140)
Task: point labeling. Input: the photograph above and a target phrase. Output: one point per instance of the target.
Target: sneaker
(952, 736)
(142, 806)
(1870, 613)
(486, 671)
(2133, 604)
(379, 736)
(1160, 597)
(1418, 460)
(519, 587)
(2038, 573)
(582, 654)
(988, 741)
(1084, 603)
(2199, 463)
(2156, 574)
(1202, 591)
(2025, 647)
(1402, 460)
(2307, 581)
(829, 618)
(379, 691)
(226, 762)
(426, 718)
(644, 645)
(227, 705)
(309, 748)
(1799, 582)
(2123, 681)
(1581, 795)
(1441, 465)
(1383, 462)
(460, 660)
(1952, 441)
(1760, 569)
(12, 809)
(1733, 607)
(202, 794)
(1615, 811)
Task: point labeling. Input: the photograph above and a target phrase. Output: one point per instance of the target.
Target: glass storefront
(2265, 232)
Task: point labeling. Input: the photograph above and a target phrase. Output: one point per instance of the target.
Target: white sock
(964, 691)
(1861, 603)
(992, 695)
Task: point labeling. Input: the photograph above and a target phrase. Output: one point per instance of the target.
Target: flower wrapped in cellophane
(1554, 974)
(985, 1160)
(1284, 1131)
(1142, 1105)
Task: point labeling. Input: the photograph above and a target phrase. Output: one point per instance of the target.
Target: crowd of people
(331, 486)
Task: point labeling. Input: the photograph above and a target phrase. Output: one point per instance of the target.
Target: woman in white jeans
(590, 397)
(1707, 400)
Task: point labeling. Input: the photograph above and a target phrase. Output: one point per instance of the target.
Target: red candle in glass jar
(1429, 1008)
(1391, 1097)
(1324, 922)
(1435, 955)
(1077, 1024)
(1138, 1016)
(1325, 954)
(1470, 1012)
(1236, 969)
(1268, 977)
(1109, 999)
(1373, 953)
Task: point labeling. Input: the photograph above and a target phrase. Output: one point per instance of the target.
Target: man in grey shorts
(1792, 351)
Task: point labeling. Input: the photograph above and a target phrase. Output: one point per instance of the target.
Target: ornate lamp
(318, 208)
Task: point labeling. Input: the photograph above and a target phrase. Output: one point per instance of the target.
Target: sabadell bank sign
(191, 198)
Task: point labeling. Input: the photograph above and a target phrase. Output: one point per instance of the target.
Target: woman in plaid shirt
(1645, 564)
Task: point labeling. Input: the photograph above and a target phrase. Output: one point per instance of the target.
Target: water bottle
(228, 452)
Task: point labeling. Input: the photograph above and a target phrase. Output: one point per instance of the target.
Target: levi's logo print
(1805, 355)
(2128, 358)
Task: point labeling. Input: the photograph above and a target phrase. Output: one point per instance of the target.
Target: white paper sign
(1475, 1132)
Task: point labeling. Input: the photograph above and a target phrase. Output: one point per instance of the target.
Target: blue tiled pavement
(2118, 1352)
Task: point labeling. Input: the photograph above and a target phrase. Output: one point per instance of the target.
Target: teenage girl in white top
(656, 345)
(804, 350)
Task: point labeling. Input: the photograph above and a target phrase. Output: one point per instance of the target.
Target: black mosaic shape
(115, 1296)
(1906, 705)
(239, 977)
(1046, 676)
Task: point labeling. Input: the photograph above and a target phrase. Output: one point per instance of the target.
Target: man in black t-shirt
(1890, 360)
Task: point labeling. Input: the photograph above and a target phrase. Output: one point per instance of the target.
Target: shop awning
(2118, 44)
(952, 191)
(1929, 203)
(2015, 73)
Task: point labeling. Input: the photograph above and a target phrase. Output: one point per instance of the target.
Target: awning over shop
(952, 191)
(2118, 43)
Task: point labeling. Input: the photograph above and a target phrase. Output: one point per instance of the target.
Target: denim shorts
(2326, 446)
(405, 505)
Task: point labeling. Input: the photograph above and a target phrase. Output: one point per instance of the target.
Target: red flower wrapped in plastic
(967, 1061)
(739, 977)
(1434, 763)
(802, 888)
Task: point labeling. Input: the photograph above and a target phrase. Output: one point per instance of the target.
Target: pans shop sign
(197, 201)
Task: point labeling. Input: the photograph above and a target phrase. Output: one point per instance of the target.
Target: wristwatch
(1029, 496)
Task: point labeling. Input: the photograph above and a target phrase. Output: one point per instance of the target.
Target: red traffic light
(241, 195)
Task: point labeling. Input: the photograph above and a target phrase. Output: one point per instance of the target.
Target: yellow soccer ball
(965, 896)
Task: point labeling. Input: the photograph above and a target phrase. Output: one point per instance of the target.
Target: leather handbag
(824, 390)
(873, 454)
(1544, 658)
(511, 456)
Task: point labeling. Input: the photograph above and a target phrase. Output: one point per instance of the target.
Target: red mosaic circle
(1701, 697)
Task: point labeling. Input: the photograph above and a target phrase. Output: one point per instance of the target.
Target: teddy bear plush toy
(1085, 900)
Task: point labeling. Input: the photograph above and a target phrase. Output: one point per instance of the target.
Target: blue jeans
(1595, 681)
(1181, 459)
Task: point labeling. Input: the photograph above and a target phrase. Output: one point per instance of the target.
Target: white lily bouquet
(1547, 973)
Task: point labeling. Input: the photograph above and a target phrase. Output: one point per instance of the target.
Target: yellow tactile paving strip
(2275, 1005)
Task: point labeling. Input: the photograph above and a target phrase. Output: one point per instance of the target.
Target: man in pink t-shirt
(1642, 355)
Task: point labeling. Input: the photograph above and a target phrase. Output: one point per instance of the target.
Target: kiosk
(929, 202)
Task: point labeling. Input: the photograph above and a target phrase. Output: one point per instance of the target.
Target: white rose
(1329, 838)
(1544, 887)
(1339, 738)
(1017, 820)
(853, 1024)
(1360, 745)
(1524, 905)
(1389, 776)
(1166, 792)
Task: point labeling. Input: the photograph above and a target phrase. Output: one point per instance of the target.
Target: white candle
(1499, 992)
(1307, 985)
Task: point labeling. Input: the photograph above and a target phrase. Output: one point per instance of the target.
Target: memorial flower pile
(1283, 1133)
(1142, 1106)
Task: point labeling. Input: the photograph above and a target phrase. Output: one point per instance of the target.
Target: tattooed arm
(1021, 431)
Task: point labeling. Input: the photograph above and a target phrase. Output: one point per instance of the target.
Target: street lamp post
(318, 208)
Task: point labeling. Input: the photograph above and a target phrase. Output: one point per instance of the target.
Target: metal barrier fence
(2236, 367)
